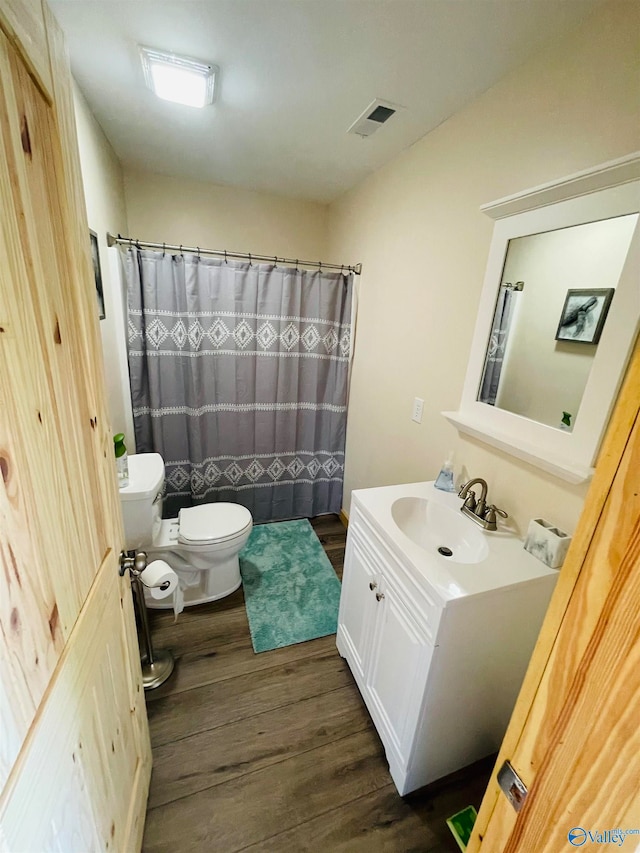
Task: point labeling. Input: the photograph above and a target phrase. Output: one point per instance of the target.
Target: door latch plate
(512, 786)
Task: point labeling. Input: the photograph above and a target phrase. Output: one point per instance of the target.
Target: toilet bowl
(201, 545)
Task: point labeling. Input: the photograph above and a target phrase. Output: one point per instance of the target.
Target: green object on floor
(461, 825)
(291, 591)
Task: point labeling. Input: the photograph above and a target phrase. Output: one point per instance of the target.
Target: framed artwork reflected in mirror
(583, 315)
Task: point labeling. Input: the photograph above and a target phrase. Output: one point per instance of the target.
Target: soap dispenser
(444, 481)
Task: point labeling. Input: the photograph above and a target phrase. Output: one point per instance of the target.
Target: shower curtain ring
(181, 255)
(296, 264)
(250, 259)
(225, 256)
(164, 249)
(198, 248)
(275, 261)
(320, 266)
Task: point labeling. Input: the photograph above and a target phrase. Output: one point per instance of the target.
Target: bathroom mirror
(552, 306)
(559, 313)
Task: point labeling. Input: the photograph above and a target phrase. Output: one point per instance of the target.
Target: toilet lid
(212, 523)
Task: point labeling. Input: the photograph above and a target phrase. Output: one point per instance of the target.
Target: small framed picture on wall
(583, 315)
(95, 257)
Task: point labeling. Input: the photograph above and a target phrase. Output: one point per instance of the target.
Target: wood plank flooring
(276, 751)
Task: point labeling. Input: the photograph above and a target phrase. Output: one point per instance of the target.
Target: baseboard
(344, 518)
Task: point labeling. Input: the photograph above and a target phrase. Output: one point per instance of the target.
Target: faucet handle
(464, 489)
(491, 512)
(470, 501)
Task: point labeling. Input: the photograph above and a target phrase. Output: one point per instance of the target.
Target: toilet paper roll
(156, 575)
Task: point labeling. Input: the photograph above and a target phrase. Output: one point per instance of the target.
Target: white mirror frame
(612, 189)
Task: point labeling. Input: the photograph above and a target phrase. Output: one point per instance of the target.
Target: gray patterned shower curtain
(239, 377)
(496, 349)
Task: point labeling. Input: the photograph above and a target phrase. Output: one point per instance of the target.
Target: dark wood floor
(276, 751)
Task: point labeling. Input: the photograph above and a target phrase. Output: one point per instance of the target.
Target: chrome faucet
(476, 508)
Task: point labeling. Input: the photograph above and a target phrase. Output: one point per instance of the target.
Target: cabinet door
(397, 673)
(360, 582)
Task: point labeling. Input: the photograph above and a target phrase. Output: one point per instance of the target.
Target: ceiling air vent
(372, 119)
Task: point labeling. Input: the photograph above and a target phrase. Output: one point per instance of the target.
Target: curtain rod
(196, 250)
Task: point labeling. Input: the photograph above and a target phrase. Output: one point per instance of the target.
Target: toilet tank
(142, 500)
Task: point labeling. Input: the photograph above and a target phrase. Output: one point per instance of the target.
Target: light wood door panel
(52, 324)
(574, 737)
(74, 746)
(23, 22)
(29, 615)
(85, 752)
(588, 735)
(79, 272)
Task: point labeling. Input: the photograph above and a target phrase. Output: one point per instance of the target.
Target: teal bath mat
(290, 588)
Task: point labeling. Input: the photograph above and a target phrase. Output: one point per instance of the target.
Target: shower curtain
(497, 345)
(239, 379)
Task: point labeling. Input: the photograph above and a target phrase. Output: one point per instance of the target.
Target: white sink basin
(415, 519)
(439, 529)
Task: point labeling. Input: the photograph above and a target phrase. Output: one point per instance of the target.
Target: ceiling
(295, 74)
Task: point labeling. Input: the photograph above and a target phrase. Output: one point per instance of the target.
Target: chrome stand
(157, 666)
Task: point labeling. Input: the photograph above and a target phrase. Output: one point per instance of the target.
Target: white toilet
(201, 545)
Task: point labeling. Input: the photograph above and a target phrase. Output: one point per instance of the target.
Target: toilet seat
(212, 523)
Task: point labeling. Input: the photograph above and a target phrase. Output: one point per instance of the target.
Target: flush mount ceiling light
(179, 78)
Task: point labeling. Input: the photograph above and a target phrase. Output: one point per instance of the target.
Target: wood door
(74, 746)
(574, 737)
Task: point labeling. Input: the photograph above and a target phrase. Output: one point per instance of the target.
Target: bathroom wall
(417, 228)
(175, 210)
(104, 196)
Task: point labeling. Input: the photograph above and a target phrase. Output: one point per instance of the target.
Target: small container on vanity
(547, 542)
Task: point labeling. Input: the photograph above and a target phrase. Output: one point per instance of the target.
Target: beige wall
(104, 196)
(417, 228)
(174, 210)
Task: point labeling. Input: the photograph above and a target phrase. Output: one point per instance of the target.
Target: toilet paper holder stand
(157, 665)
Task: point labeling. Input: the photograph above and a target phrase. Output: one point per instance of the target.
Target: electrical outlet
(416, 412)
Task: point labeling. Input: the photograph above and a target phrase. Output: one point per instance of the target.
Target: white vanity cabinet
(439, 677)
(383, 633)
